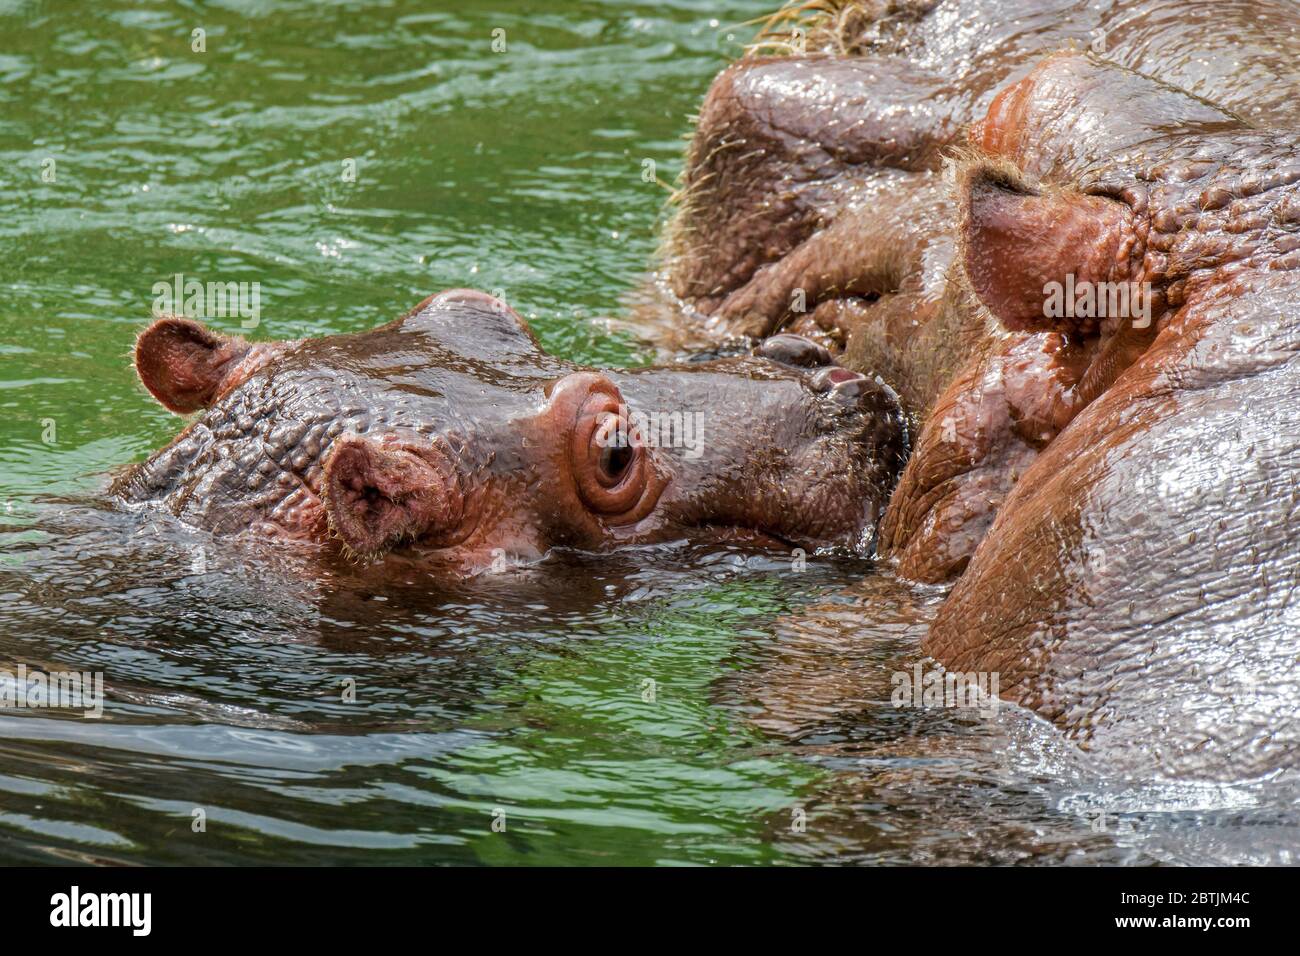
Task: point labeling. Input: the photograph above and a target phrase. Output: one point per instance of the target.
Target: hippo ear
(183, 363)
(473, 324)
(379, 492)
(1023, 249)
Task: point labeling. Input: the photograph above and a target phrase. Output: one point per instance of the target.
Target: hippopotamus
(450, 438)
(943, 192)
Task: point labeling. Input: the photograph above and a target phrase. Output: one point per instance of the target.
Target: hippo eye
(615, 461)
(615, 450)
(608, 456)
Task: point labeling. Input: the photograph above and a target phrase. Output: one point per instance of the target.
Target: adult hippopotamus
(450, 435)
(945, 193)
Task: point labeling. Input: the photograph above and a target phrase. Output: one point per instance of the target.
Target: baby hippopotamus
(449, 434)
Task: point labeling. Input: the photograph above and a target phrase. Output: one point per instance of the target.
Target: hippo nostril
(852, 391)
(792, 349)
(834, 377)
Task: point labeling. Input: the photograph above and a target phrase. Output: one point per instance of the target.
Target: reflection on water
(577, 696)
(686, 705)
(905, 785)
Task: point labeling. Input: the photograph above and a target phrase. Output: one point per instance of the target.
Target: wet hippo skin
(1113, 495)
(822, 171)
(1155, 523)
(450, 437)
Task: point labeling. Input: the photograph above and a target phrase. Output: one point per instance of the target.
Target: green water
(675, 706)
(519, 172)
(351, 159)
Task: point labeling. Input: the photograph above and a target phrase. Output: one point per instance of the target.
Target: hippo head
(450, 434)
(1081, 272)
(1112, 477)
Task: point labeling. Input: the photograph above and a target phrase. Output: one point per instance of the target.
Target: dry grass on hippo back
(844, 27)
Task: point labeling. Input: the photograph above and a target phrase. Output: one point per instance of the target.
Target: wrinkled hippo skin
(448, 436)
(1115, 496)
(1156, 522)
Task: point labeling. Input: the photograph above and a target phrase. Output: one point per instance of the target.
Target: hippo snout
(849, 388)
(794, 350)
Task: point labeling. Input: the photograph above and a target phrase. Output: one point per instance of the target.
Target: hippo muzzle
(449, 434)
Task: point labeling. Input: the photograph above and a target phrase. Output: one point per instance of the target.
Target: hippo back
(1139, 584)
